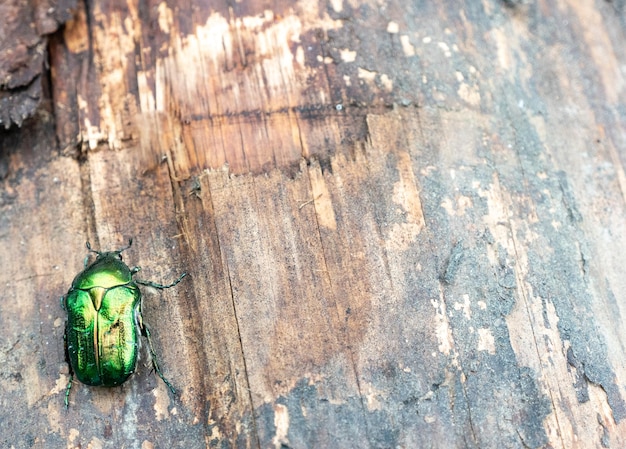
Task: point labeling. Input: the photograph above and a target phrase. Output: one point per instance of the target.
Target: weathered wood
(24, 30)
(403, 224)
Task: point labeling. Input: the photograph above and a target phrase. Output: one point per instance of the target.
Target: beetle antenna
(88, 245)
(130, 243)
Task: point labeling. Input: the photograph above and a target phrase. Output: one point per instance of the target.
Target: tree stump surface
(403, 222)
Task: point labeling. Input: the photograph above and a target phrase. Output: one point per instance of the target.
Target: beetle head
(100, 254)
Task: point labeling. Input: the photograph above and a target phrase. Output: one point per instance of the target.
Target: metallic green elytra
(104, 321)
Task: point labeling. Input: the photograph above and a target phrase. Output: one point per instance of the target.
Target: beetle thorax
(97, 295)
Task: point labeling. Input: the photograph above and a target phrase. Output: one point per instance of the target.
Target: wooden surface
(404, 224)
(24, 30)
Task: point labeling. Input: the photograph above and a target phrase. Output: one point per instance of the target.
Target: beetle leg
(146, 332)
(67, 359)
(67, 392)
(159, 286)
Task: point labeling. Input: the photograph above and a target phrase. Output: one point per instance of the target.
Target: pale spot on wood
(281, 422)
(393, 27)
(34, 386)
(95, 443)
(348, 55)
(463, 202)
(406, 193)
(407, 48)
(323, 205)
(53, 414)
(165, 17)
(337, 5)
(75, 33)
(214, 430)
(602, 51)
(497, 219)
(402, 235)
(448, 206)
(60, 385)
(366, 75)
(146, 96)
(386, 82)
(456, 208)
(161, 403)
(486, 342)
(445, 48)
(203, 61)
(502, 48)
(300, 59)
(442, 326)
(372, 398)
(465, 306)
(469, 93)
(72, 435)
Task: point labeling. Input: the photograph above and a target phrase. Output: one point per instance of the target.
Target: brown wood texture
(404, 224)
(24, 30)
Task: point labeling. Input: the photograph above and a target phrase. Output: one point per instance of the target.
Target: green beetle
(103, 322)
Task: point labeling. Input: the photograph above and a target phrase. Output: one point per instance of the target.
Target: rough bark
(403, 224)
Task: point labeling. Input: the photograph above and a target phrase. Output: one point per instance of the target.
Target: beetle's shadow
(106, 399)
(135, 389)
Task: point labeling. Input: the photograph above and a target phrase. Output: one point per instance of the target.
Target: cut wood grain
(402, 223)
